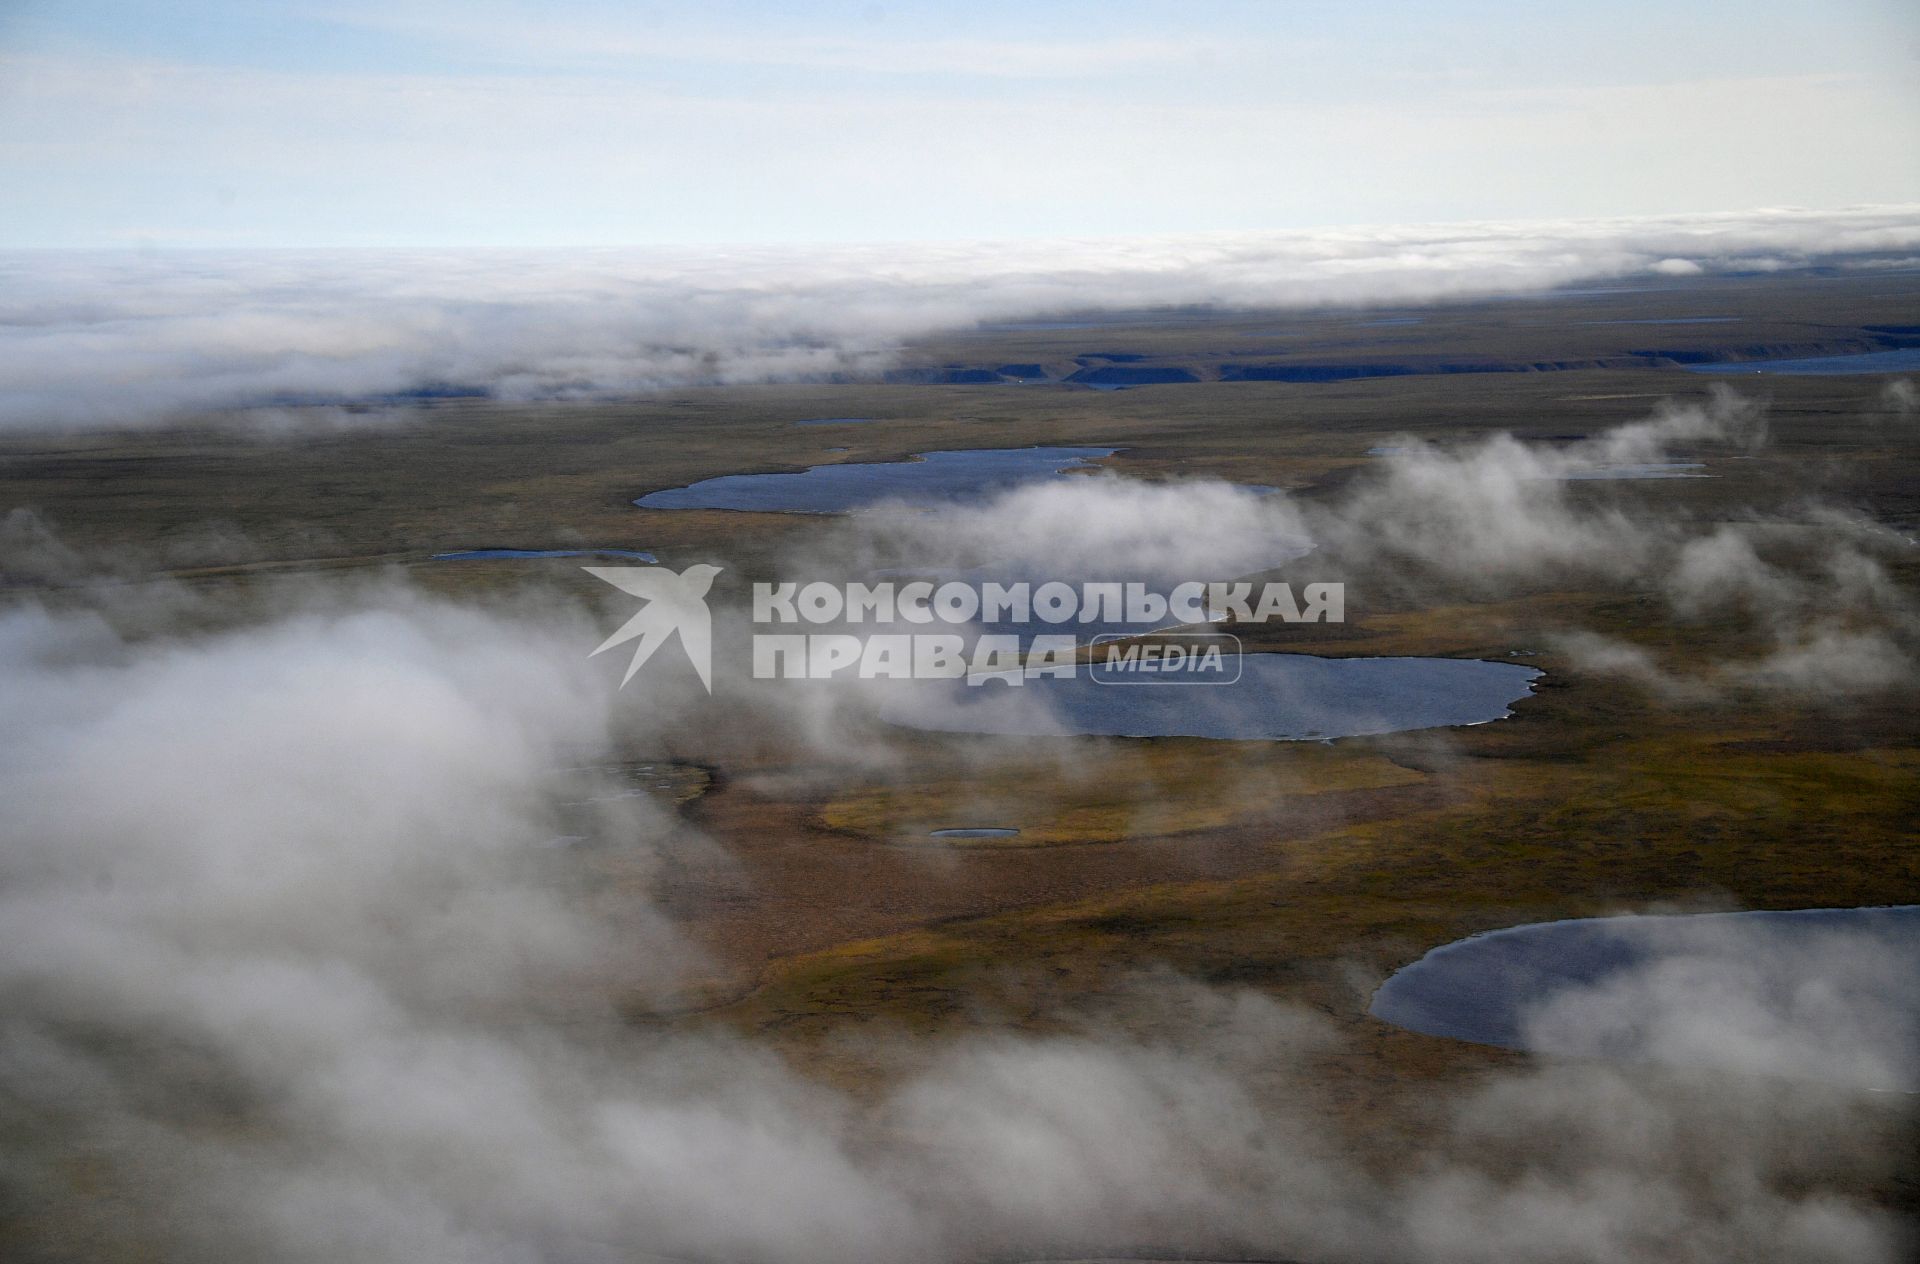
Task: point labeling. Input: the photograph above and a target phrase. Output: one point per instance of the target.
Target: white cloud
(291, 972)
(90, 340)
(1747, 994)
(553, 39)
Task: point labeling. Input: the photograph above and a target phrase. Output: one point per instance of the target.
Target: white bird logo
(675, 603)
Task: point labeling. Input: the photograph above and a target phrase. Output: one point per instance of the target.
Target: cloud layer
(1792, 995)
(294, 965)
(1811, 590)
(98, 340)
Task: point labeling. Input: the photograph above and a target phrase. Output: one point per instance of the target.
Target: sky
(483, 123)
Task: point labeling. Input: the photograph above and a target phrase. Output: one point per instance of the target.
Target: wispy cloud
(90, 340)
(294, 973)
(556, 39)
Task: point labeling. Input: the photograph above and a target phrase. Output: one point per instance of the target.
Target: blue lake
(1900, 360)
(487, 555)
(1571, 291)
(1797, 980)
(930, 477)
(1271, 697)
(1667, 320)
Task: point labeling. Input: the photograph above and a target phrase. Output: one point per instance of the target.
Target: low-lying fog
(90, 340)
(1821, 994)
(291, 973)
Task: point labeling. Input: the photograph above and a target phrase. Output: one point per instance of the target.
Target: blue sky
(484, 123)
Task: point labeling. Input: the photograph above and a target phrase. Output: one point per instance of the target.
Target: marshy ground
(1307, 871)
